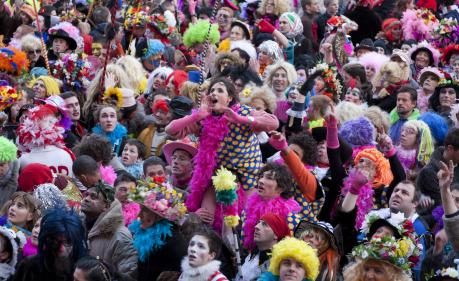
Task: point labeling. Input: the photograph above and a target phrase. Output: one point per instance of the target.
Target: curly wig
(51, 85)
(280, 7)
(236, 61)
(373, 60)
(196, 33)
(298, 250)
(97, 147)
(8, 150)
(358, 132)
(309, 146)
(346, 111)
(30, 42)
(288, 67)
(355, 272)
(265, 94)
(379, 118)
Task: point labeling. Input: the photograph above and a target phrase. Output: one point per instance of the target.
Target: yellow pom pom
(231, 221)
(224, 180)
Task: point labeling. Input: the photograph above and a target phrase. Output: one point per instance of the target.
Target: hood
(109, 221)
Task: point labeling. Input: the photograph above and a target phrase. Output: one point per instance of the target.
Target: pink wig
(374, 60)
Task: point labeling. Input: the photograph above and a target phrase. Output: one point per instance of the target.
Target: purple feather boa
(258, 207)
(364, 202)
(214, 131)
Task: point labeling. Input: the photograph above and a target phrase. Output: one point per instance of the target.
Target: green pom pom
(197, 33)
(8, 151)
(227, 197)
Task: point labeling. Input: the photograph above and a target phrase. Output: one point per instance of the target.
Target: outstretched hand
(445, 174)
(278, 141)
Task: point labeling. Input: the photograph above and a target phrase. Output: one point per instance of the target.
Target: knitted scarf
(150, 240)
(257, 207)
(214, 131)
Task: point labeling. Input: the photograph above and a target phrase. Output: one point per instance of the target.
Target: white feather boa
(198, 273)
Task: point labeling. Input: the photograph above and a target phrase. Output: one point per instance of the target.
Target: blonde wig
(346, 110)
(94, 88)
(288, 67)
(51, 85)
(134, 70)
(354, 271)
(280, 7)
(30, 42)
(379, 118)
(190, 90)
(263, 93)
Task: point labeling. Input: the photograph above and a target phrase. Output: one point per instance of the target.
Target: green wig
(196, 33)
(8, 151)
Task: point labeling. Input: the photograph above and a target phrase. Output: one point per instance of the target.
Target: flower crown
(8, 96)
(403, 253)
(156, 195)
(329, 74)
(447, 82)
(136, 16)
(397, 220)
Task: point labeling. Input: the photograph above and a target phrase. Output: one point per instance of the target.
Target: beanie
(277, 224)
(33, 175)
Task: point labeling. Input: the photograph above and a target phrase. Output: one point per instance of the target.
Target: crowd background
(222, 140)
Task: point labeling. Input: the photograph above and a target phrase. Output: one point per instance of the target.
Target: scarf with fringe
(114, 137)
(257, 207)
(150, 240)
(214, 131)
(365, 201)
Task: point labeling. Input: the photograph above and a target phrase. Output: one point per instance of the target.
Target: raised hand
(110, 80)
(445, 174)
(278, 141)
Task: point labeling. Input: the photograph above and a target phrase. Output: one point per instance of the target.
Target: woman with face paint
(200, 264)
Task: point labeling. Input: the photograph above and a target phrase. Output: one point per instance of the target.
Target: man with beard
(108, 238)
(405, 110)
(61, 243)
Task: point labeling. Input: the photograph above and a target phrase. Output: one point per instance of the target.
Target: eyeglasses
(32, 52)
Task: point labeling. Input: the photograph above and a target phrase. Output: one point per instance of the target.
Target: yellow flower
(403, 247)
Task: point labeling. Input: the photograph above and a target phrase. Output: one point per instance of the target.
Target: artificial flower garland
(8, 96)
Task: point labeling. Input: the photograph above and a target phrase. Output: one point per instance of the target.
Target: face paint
(199, 251)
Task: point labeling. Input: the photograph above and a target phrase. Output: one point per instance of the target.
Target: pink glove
(235, 118)
(278, 142)
(199, 115)
(266, 27)
(357, 181)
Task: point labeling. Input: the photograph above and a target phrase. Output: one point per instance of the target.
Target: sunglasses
(32, 52)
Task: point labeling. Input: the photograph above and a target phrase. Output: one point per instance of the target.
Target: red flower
(159, 179)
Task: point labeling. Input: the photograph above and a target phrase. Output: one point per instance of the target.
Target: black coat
(32, 269)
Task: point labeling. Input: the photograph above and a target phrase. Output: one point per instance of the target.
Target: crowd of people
(213, 140)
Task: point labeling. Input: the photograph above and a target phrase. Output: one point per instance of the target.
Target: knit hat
(33, 175)
(358, 132)
(49, 196)
(277, 224)
(8, 150)
(298, 250)
(383, 175)
(388, 25)
(294, 23)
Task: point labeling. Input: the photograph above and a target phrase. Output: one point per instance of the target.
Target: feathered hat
(447, 33)
(434, 54)
(298, 250)
(448, 52)
(136, 17)
(333, 87)
(8, 150)
(68, 32)
(196, 33)
(418, 24)
(13, 61)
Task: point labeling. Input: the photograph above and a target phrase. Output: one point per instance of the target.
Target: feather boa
(418, 24)
(130, 212)
(150, 240)
(257, 207)
(29, 248)
(365, 201)
(201, 273)
(115, 136)
(107, 173)
(214, 131)
(32, 136)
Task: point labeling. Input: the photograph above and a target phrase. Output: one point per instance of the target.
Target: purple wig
(358, 132)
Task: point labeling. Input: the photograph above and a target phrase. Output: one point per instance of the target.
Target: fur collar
(201, 273)
(109, 221)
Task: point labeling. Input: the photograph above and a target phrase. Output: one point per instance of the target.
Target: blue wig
(154, 47)
(437, 124)
(59, 222)
(358, 132)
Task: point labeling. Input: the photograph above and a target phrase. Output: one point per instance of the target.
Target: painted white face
(199, 251)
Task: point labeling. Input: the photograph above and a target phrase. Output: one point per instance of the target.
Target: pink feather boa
(364, 202)
(29, 248)
(257, 207)
(214, 131)
(130, 212)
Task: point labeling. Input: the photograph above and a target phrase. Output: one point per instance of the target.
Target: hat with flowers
(8, 96)
(333, 87)
(136, 17)
(156, 196)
